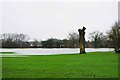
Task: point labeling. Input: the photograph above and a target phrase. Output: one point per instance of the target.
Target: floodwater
(51, 51)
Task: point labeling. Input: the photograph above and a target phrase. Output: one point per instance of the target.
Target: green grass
(94, 64)
(7, 53)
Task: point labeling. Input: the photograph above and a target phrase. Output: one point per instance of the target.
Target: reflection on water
(48, 51)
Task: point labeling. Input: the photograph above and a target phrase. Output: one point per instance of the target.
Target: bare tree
(14, 40)
(96, 37)
(73, 39)
(114, 35)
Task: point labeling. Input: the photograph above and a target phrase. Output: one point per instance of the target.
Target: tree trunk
(82, 40)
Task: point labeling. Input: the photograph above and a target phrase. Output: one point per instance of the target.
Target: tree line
(16, 40)
(97, 40)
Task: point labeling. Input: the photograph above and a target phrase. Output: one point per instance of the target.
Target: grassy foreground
(91, 65)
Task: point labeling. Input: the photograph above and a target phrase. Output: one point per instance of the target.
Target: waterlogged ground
(94, 64)
(51, 51)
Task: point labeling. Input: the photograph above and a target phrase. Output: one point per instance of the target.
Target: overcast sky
(46, 19)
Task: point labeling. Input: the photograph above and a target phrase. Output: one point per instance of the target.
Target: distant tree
(36, 43)
(104, 42)
(11, 40)
(58, 43)
(44, 44)
(96, 38)
(114, 35)
(73, 38)
(65, 43)
(52, 43)
(0, 43)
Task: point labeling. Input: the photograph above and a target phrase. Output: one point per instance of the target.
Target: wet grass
(91, 65)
